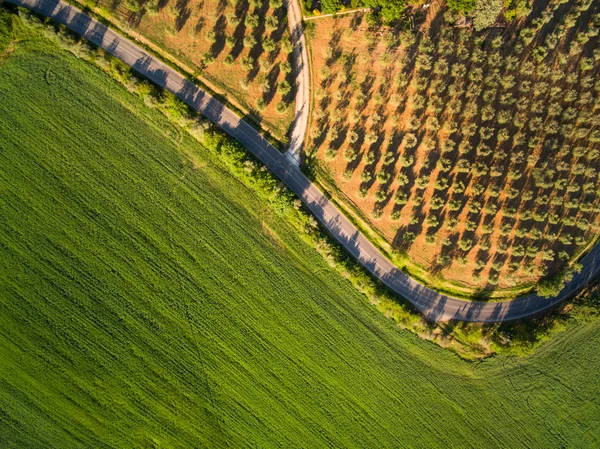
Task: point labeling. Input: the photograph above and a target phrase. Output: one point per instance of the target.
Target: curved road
(434, 305)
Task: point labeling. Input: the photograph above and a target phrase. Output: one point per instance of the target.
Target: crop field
(243, 49)
(148, 299)
(474, 153)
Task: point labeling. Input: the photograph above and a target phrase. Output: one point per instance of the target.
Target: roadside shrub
(285, 67)
(286, 46)
(281, 107)
(552, 286)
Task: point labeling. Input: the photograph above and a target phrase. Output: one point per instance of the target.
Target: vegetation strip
(433, 305)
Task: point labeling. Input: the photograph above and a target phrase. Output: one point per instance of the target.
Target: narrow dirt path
(302, 82)
(341, 13)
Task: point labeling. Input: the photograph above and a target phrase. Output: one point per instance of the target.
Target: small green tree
(284, 87)
(552, 286)
(251, 20)
(485, 13)
(331, 6)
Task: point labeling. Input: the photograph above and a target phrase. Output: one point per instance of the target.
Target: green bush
(6, 26)
(516, 9)
(552, 286)
(461, 6)
(331, 6)
(485, 13)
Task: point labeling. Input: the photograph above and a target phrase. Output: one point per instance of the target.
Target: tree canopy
(486, 12)
(390, 10)
(462, 6)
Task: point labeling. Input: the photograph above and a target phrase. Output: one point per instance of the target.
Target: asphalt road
(434, 305)
(302, 82)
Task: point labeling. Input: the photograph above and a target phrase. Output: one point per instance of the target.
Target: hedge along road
(434, 305)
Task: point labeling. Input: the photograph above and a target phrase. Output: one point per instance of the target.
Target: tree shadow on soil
(219, 30)
(183, 14)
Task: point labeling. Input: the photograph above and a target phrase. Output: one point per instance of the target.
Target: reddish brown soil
(346, 37)
(181, 27)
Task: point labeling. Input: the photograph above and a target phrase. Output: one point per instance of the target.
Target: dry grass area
(242, 49)
(473, 153)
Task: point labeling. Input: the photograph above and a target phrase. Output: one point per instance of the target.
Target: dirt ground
(189, 29)
(357, 97)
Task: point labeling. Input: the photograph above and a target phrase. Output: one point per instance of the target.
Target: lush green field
(148, 299)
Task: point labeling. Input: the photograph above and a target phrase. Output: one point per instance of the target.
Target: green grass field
(148, 299)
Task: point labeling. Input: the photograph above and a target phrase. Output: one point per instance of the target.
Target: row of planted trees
(251, 34)
(484, 144)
